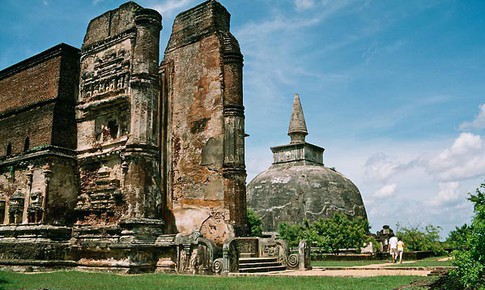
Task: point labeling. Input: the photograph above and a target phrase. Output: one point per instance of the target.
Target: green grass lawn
(85, 281)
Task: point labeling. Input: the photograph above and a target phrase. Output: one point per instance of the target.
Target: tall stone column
(144, 83)
(142, 176)
(234, 165)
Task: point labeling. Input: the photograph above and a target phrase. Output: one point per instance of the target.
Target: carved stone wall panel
(30, 193)
(106, 73)
(101, 200)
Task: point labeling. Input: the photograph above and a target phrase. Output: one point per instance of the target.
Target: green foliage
(457, 238)
(330, 234)
(292, 233)
(417, 239)
(254, 224)
(470, 260)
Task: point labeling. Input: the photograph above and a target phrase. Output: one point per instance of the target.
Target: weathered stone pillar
(144, 81)
(203, 125)
(234, 166)
(142, 179)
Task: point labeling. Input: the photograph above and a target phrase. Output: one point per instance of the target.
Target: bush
(457, 239)
(254, 224)
(470, 260)
(332, 234)
(417, 239)
(292, 233)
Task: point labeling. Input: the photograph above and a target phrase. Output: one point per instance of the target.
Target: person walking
(400, 250)
(393, 248)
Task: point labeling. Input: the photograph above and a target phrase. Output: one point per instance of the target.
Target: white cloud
(478, 123)
(170, 7)
(304, 4)
(464, 159)
(448, 194)
(386, 191)
(380, 167)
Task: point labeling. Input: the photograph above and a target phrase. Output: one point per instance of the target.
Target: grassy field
(85, 281)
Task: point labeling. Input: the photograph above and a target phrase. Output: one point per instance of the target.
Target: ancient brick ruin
(111, 160)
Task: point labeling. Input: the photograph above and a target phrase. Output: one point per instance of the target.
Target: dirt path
(354, 272)
(382, 269)
(382, 265)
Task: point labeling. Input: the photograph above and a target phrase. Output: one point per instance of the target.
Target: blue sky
(393, 90)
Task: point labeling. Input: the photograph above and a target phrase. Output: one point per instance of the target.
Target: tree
(470, 261)
(332, 234)
(292, 233)
(457, 238)
(254, 224)
(417, 239)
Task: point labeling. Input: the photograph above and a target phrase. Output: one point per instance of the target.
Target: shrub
(470, 260)
(425, 239)
(332, 234)
(457, 238)
(254, 224)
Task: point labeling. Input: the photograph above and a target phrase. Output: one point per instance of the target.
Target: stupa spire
(297, 130)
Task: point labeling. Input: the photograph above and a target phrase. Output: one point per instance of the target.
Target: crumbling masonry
(110, 160)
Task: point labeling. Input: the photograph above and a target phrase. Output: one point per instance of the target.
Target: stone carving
(196, 254)
(110, 75)
(248, 246)
(182, 261)
(304, 255)
(35, 208)
(275, 248)
(217, 266)
(16, 207)
(293, 261)
(194, 263)
(230, 257)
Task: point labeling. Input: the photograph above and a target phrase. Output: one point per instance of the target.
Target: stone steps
(257, 265)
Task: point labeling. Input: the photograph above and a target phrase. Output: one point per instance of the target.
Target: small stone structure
(110, 160)
(298, 186)
(251, 254)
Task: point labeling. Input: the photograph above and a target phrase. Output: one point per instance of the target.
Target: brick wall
(35, 124)
(34, 84)
(37, 98)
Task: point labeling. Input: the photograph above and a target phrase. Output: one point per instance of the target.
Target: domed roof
(298, 186)
(290, 192)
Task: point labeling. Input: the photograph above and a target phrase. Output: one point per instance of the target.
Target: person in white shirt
(393, 248)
